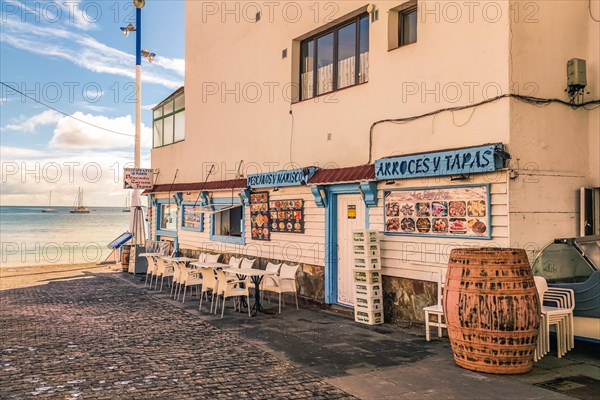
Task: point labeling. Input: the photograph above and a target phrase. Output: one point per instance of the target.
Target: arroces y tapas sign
(293, 177)
(469, 160)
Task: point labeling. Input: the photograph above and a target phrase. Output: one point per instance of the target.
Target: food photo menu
(450, 211)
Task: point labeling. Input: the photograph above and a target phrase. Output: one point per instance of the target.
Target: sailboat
(78, 207)
(49, 209)
(126, 208)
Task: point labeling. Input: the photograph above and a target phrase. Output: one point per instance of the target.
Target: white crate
(369, 318)
(365, 303)
(367, 263)
(373, 250)
(365, 236)
(360, 249)
(366, 276)
(368, 290)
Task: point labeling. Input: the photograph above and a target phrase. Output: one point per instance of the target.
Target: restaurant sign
(138, 178)
(471, 160)
(293, 177)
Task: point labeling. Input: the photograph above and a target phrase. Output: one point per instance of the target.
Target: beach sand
(13, 277)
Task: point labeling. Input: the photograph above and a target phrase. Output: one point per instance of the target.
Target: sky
(72, 56)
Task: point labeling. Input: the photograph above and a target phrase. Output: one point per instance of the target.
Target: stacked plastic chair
(560, 315)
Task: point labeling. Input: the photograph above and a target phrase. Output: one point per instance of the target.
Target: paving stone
(102, 338)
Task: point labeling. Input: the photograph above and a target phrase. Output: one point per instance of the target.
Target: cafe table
(213, 265)
(256, 276)
(180, 259)
(150, 254)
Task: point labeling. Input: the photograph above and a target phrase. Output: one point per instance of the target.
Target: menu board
(287, 216)
(259, 216)
(192, 216)
(461, 211)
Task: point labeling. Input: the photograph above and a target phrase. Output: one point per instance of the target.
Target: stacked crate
(368, 290)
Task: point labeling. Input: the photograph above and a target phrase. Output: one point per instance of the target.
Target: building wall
(555, 149)
(224, 128)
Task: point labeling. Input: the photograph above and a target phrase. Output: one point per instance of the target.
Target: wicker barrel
(492, 310)
(125, 256)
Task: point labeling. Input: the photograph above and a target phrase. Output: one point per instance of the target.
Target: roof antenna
(212, 167)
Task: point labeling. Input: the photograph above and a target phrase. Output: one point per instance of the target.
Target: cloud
(70, 133)
(87, 52)
(24, 124)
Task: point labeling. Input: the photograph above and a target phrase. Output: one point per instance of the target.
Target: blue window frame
(192, 217)
(166, 218)
(228, 226)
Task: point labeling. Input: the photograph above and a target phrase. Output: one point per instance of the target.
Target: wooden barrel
(125, 256)
(492, 310)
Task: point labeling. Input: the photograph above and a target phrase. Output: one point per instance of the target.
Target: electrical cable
(65, 114)
(526, 99)
(291, 134)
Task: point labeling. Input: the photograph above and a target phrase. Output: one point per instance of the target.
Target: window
(335, 59)
(169, 122)
(167, 215)
(228, 222)
(402, 24)
(407, 26)
(192, 218)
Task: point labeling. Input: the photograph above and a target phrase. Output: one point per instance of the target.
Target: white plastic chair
(284, 283)
(212, 258)
(176, 280)
(227, 288)
(209, 283)
(150, 270)
(437, 311)
(561, 317)
(269, 279)
(164, 270)
(191, 280)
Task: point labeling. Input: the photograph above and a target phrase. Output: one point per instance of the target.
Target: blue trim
(331, 231)
(228, 239)
(319, 199)
(245, 195)
(138, 36)
(185, 228)
(178, 198)
(369, 192)
(488, 212)
(160, 232)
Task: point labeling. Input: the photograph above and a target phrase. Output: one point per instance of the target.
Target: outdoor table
(180, 259)
(213, 265)
(150, 254)
(256, 276)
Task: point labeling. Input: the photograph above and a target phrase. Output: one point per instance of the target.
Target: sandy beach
(13, 277)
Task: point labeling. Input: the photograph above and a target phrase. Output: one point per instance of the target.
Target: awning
(344, 175)
(217, 208)
(198, 186)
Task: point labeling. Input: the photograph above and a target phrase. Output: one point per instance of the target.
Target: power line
(65, 114)
(526, 99)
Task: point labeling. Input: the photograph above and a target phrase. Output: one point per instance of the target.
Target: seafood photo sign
(259, 216)
(287, 216)
(450, 211)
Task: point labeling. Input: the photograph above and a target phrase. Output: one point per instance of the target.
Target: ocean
(30, 237)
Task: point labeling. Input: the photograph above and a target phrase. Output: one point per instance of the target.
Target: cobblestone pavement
(98, 337)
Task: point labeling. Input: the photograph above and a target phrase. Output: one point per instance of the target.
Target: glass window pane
(325, 64)
(307, 49)
(168, 130)
(158, 113)
(158, 133)
(363, 62)
(409, 28)
(179, 102)
(179, 126)
(168, 217)
(168, 107)
(346, 56)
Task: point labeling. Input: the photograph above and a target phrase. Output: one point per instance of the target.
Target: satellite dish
(139, 3)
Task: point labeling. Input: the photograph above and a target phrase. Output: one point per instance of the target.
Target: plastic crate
(368, 290)
(360, 249)
(365, 303)
(365, 276)
(369, 318)
(365, 236)
(367, 263)
(373, 250)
